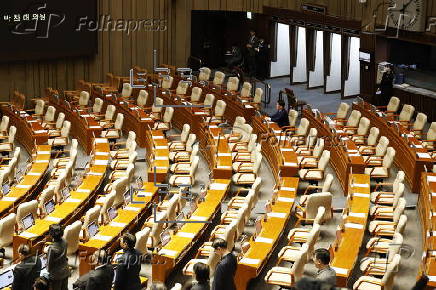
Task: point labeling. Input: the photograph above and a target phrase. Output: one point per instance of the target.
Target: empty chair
(246, 90)
(39, 108)
(156, 230)
(141, 240)
(72, 236)
(184, 167)
(371, 141)
(361, 130)
(290, 253)
(167, 82)
(45, 197)
(316, 174)
(165, 124)
(208, 101)
(218, 79)
(107, 205)
(220, 108)
(61, 140)
(184, 156)
(188, 179)
(108, 116)
(156, 108)
(389, 214)
(392, 107)
(126, 92)
(49, 117)
(91, 217)
(7, 229)
(204, 74)
(429, 142)
(325, 187)
(83, 99)
(122, 164)
(386, 282)
(27, 211)
(248, 178)
(353, 120)
(115, 132)
(341, 115)
(308, 212)
(142, 98)
(300, 133)
(183, 137)
(98, 105)
(232, 84)
(292, 116)
(195, 95)
(406, 114)
(418, 125)
(182, 87)
(4, 125)
(379, 150)
(182, 146)
(383, 171)
(118, 152)
(388, 198)
(308, 158)
(9, 145)
(389, 228)
(300, 235)
(309, 142)
(56, 131)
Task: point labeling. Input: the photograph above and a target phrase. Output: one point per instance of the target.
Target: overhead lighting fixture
(249, 15)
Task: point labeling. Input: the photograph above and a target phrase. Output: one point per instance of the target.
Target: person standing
(251, 53)
(128, 265)
(386, 86)
(57, 261)
(226, 268)
(100, 278)
(201, 273)
(281, 116)
(26, 272)
(262, 60)
(321, 259)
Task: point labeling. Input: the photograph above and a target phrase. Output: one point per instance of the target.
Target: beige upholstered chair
(248, 177)
(83, 99)
(182, 87)
(389, 228)
(9, 145)
(418, 125)
(429, 142)
(316, 174)
(156, 230)
(300, 132)
(129, 172)
(167, 82)
(184, 156)
(382, 217)
(392, 107)
(4, 125)
(63, 139)
(309, 142)
(7, 229)
(108, 116)
(285, 276)
(156, 108)
(406, 114)
(290, 253)
(379, 150)
(126, 92)
(308, 212)
(218, 79)
(39, 108)
(341, 115)
(49, 117)
(379, 153)
(211, 261)
(56, 131)
(383, 171)
(183, 137)
(246, 90)
(309, 155)
(195, 95)
(91, 216)
(72, 236)
(386, 282)
(353, 120)
(185, 179)
(378, 245)
(141, 240)
(118, 152)
(142, 98)
(184, 167)
(361, 130)
(97, 107)
(204, 74)
(165, 124)
(325, 187)
(370, 142)
(115, 132)
(220, 108)
(300, 235)
(388, 198)
(25, 208)
(377, 265)
(209, 100)
(122, 164)
(46, 195)
(108, 203)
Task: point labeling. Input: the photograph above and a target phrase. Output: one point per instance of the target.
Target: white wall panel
(333, 81)
(300, 70)
(281, 67)
(316, 77)
(352, 85)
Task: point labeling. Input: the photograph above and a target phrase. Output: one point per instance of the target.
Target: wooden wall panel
(118, 52)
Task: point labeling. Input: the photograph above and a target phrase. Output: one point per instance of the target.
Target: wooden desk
(427, 211)
(406, 157)
(73, 207)
(344, 155)
(184, 240)
(261, 248)
(29, 129)
(345, 250)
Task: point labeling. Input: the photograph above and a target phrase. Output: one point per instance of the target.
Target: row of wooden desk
(427, 211)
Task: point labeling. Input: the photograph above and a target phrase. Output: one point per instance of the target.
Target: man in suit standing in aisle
(100, 278)
(128, 265)
(27, 270)
(57, 261)
(251, 53)
(226, 268)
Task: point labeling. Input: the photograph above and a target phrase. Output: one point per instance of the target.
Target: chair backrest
(7, 229)
(194, 166)
(420, 121)
(258, 94)
(59, 185)
(46, 195)
(363, 126)
(182, 87)
(389, 157)
(399, 210)
(387, 280)
(126, 91)
(212, 261)
(168, 115)
(303, 127)
(50, 114)
(257, 162)
(167, 82)
(246, 89)
(220, 108)
(399, 178)
(195, 150)
(190, 142)
(83, 98)
(398, 193)
(12, 132)
(91, 216)
(311, 137)
(204, 74)
(65, 131)
(319, 147)
(230, 234)
(319, 218)
(312, 238)
(324, 160)
(39, 107)
(218, 78)
(24, 209)
(141, 240)
(406, 113)
(156, 229)
(60, 120)
(327, 183)
(342, 111)
(107, 204)
(110, 112)
(373, 136)
(185, 132)
(131, 137)
(120, 186)
(98, 105)
(119, 121)
(431, 133)
(71, 236)
(196, 94)
(297, 268)
(382, 146)
(393, 105)
(208, 101)
(142, 98)
(157, 105)
(316, 200)
(4, 124)
(292, 116)
(354, 118)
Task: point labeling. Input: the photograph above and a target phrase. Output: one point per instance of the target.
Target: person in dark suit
(226, 268)
(100, 278)
(386, 86)
(251, 53)
(128, 265)
(26, 272)
(201, 273)
(41, 283)
(57, 261)
(281, 116)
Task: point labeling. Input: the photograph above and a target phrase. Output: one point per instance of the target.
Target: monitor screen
(165, 238)
(128, 196)
(92, 229)
(5, 188)
(28, 221)
(6, 278)
(112, 213)
(49, 206)
(65, 193)
(139, 183)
